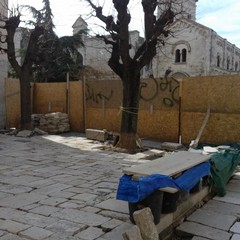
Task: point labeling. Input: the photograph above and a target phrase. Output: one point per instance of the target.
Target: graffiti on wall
(97, 96)
(163, 91)
(166, 88)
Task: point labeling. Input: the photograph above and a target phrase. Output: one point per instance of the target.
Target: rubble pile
(54, 122)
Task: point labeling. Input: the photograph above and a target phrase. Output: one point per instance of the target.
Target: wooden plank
(169, 165)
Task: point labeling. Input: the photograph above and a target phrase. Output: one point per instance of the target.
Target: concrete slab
(230, 197)
(212, 219)
(222, 207)
(196, 229)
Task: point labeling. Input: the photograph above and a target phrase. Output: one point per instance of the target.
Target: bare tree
(23, 70)
(128, 68)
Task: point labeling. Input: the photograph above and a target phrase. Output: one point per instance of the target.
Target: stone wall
(52, 122)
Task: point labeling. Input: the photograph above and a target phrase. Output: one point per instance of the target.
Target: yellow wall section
(159, 115)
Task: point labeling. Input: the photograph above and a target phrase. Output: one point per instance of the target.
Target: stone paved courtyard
(64, 187)
(60, 187)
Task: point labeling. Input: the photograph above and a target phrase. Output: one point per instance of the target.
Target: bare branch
(107, 41)
(155, 28)
(108, 20)
(11, 25)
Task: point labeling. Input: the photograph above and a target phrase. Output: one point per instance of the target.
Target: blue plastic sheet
(135, 191)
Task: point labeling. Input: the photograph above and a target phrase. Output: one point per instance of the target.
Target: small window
(218, 61)
(184, 55)
(178, 56)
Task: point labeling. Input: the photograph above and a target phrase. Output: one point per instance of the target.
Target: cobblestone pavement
(60, 187)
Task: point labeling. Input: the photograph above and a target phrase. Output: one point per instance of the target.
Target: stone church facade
(192, 49)
(195, 50)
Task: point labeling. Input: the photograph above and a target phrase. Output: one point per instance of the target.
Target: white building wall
(203, 45)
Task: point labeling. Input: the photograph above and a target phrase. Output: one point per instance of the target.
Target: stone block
(189, 229)
(114, 205)
(25, 133)
(212, 219)
(132, 234)
(144, 220)
(116, 233)
(235, 237)
(171, 146)
(235, 228)
(222, 207)
(36, 233)
(12, 226)
(95, 134)
(230, 197)
(90, 233)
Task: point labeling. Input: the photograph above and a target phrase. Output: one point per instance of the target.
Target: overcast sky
(223, 16)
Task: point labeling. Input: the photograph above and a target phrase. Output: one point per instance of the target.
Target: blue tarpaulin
(135, 191)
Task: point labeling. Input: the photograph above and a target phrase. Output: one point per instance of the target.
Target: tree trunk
(25, 96)
(128, 132)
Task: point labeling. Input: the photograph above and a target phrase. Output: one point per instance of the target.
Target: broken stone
(132, 234)
(39, 131)
(25, 133)
(95, 134)
(171, 146)
(144, 220)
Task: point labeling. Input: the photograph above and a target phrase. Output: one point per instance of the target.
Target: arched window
(228, 63)
(184, 55)
(218, 61)
(236, 66)
(177, 56)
